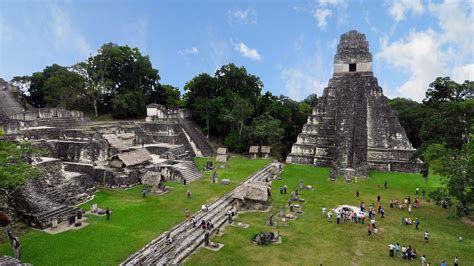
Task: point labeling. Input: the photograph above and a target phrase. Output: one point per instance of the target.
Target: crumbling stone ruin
(353, 129)
(80, 155)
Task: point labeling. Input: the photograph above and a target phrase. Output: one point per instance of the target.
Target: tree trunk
(95, 107)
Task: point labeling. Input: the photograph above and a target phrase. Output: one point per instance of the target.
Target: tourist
(382, 213)
(423, 193)
(423, 260)
(338, 217)
(391, 247)
(144, 192)
(456, 261)
(107, 212)
(427, 236)
(416, 191)
(417, 223)
(409, 208)
(143, 144)
(404, 252)
(203, 225)
(284, 189)
(329, 216)
(194, 221)
(188, 194)
(379, 207)
(281, 189)
(369, 229)
(169, 239)
(324, 211)
(443, 263)
(357, 194)
(184, 181)
(187, 214)
(363, 217)
(391, 204)
(385, 184)
(300, 184)
(397, 249)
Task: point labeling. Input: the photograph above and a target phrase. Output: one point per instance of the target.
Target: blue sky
(290, 45)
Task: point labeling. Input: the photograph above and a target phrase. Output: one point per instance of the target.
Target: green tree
(15, 165)
(445, 90)
(311, 100)
(126, 73)
(238, 111)
(172, 95)
(61, 87)
(457, 168)
(267, 130)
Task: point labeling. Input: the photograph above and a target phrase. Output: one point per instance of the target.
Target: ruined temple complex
(80, 155)
(353, 129)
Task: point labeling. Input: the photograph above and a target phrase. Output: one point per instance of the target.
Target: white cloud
(65, 35)
(247, 16)
(299, 84)
(309, 75)
(321, 16)
(420, 55)
(462, 73)
(340, 3)
(457, 23)
(399, 8)
(192, 51)
(245, 51)
(425, 55)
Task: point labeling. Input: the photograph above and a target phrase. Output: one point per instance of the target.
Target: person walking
(188, 194)
(338, 217)
(281, 189)
(443, 263)
(423, 260)
(423, 193)
(357, 193)
(385, 184)
(378, 198)
(391, 247)
(427, 236)
(456, 261)
(417, 190)
(397, 249)
(184, 181)
(329, 216)
(284, 189)
(107, 213)
(417, 223)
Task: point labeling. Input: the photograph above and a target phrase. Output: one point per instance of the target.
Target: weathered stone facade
(353, 129)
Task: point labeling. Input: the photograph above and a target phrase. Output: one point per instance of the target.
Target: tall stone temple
(353, 129)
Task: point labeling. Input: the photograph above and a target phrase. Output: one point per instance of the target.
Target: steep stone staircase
(197, 136)
(185, 237)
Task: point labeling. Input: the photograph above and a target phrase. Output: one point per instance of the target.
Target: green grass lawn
(134, 222)
(312, 240)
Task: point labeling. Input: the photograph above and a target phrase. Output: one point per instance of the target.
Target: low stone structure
(253, 195)
(254, 151)
(266, 151)
(222, 156)
(353, 129)
(130, 158)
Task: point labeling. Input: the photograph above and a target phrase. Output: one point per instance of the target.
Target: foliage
(457, 168)
(439, 195)
(102, 82)
(445, 116)
(229, 105)
(15, 164)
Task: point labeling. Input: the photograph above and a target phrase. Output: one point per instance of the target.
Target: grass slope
(134, 222)
(312, 240)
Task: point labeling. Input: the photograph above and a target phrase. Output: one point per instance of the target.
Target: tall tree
(94, 82)
(457, 168)
(238, 111)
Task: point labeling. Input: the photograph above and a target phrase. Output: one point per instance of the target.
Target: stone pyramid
(353, 129)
